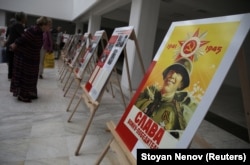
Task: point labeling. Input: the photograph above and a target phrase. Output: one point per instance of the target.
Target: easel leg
(68, 88)
(111, 87)
(60, 67)
(74, 109)
(60, 64)
(67, 79)
(64, 75)
(122, 94)
(85, 132)
(62, 72)
(98, 161)
(72, 98)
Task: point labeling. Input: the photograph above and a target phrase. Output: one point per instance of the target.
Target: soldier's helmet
(182, 66)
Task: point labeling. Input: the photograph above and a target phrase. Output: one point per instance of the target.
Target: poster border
(213, 87)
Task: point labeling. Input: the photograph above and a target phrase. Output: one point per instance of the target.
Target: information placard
(89, 52)
(107, 60)
(181, 82)
(79, 48)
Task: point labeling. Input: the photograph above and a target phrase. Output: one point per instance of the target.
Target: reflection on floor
(38, 133)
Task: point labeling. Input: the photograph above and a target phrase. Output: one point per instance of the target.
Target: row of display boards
(176, 91)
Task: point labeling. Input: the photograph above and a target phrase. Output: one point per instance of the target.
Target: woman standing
(15, 30)
(26, 61)
(46, 48)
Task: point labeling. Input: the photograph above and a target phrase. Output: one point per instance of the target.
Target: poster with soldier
(181, 82)
(107, 60)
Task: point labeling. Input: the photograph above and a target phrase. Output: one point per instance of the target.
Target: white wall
(80, 6)
(60, 9)
(2, 18)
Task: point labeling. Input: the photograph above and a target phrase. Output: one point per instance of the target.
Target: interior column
(144, 18)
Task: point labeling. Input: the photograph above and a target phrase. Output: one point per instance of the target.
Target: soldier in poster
(170, 106)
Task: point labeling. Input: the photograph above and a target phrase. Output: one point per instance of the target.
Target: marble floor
(39, 133)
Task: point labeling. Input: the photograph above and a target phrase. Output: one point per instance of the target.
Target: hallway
(38, 133)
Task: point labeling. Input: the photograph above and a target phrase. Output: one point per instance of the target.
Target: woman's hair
(43, 21)
(20, 16)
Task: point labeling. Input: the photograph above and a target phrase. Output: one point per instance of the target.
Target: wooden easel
(64, 53)
(79, 76)
(66, 56)
(65, 50)
(117, 82)
(116, 144)
(125, 155)
(71, 65)
(92, 104)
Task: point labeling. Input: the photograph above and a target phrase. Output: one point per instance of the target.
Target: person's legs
(55, 54)
(56, 51)
(10, 55)
(41, 66)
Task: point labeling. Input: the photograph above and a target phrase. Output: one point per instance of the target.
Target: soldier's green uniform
(172, 113)
(167, 113)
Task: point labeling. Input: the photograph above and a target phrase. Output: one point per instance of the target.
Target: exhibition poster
(89, 52)
(181, 82)
(107, 60)
(79, 48)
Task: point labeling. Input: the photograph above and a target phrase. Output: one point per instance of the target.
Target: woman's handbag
(49, 60)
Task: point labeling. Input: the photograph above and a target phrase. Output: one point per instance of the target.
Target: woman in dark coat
(15, 30)
(26, 61)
